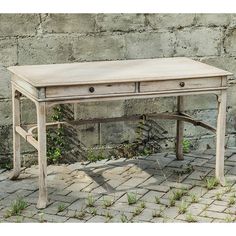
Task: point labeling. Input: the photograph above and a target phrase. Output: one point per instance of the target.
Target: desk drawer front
(180, 84)
(89, 90)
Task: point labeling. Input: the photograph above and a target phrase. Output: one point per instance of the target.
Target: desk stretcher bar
(28, 135)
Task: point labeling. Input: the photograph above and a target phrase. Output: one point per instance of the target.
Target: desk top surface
(115, 71)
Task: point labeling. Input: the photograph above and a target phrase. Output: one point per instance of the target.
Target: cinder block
(28, 112)
(120, 22)
(27, 148)
(8, 49)
(106, 109)
(165, 128)
(229, 64)
(69, 23)
(196, 102)
(213, 20)
(5, 90)
(5, 139)
(207, 116)
(232, 21)
(19, 24)
(99, 47)
(231, 120)
(6, 129)
(230, 42)
(151, 105)
(45, 50)
(222, 62)
(230, 141)
(129, 132)
(149, 45)
(88, 134)
(5, 112)
(192, 42)
(166, 21)
(231, 95)
(65, 49)
(206, 142)
(112, 133)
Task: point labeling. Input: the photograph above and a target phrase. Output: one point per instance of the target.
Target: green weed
(16, 207)
(132, 198)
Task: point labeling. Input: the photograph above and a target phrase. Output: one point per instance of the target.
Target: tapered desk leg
(16, 136)
(42, 155)
(180, 130)
(220, 137)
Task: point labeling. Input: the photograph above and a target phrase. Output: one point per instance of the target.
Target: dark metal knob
(181, 84)
(91, 89)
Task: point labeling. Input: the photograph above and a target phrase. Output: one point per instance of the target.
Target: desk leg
(42, 155)
(16, 136)
(180, 130)
(220, 137)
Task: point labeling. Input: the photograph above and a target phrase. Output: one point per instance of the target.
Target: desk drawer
(89, 90)
(162, 85)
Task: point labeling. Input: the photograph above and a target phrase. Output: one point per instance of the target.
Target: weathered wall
(59, 38)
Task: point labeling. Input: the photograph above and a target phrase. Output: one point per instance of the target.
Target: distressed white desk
(47, 85)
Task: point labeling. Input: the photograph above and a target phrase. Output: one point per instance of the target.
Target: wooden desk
(47, 85)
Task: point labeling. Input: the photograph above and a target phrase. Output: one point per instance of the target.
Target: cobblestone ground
(157, 188)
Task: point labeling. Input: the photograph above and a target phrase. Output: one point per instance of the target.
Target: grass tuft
(232, 200)
(139, 209)
(171, 201)
(107, 202)
(132, 198)
(190, 218)
(108, 215)
(157, 214)
(194, 198)
(218, 196)
(157, 200)
(81, 214)
(178, 194)
(93, 211)
(124, 218)
(229, 219)
(16, 207)
(61, 207)
(183, 207)
(211, 183)
(90, 201)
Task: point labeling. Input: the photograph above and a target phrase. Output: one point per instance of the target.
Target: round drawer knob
(91, 89)
(181, 84)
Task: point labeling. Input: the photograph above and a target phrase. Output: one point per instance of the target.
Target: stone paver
(196, 208)
(152, 180)
(198, 219)
(145, 216)
(171, 212)
(159, 188)
(74, 220)
(77, 205)
(97, 219)
(214, 215)
(216, 208)
(50, 218)
(151, 196)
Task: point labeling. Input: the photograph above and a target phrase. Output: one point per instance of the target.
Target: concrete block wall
(66, 38)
